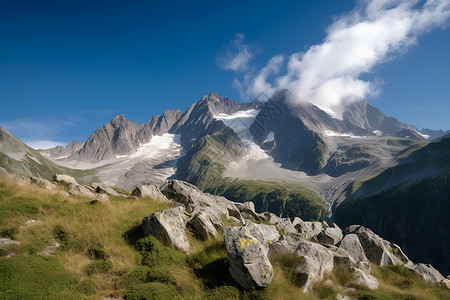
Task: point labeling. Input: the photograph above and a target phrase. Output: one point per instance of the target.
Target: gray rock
(352, 245)
(249, 264)
(51, 249)
(330, 236)
(364, 279)
(315, 261)
(149, 191)
(64, 179)
(5, 244)
(360, 270)
(203, 227)
(195, 200)
(428, 273)
(42, 183)
(340, 297)
(309, 230)
(168, 226)
(81, 191)
(377, 250)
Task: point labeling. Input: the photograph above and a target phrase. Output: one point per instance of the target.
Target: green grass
(104, 253)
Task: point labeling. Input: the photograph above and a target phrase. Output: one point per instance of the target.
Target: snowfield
(241, 122)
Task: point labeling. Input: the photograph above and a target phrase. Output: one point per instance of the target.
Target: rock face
(315, 261)
(249, 264)
(203, 227)
(150, 191)
(377, 249)
(168, 226)
(330, 236)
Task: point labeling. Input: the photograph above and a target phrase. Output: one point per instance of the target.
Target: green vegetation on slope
(281, 198)
(412, 216)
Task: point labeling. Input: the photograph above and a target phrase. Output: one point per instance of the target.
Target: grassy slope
(104, 253)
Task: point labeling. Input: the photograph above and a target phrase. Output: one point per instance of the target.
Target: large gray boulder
(150, 191)
(315, 261)
(168, 226)
(309, 230)
(429, 274)
(249, 264)
(203, 227)
(64, 179)
(81, 191)
(376, 249)
(195, 200)
(330, 236)
(352, 245)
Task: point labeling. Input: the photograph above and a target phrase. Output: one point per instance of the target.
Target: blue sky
(68, 67)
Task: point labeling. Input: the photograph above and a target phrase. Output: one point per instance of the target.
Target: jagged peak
(213, 96)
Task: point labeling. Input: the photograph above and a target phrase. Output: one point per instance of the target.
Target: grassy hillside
(104, 253)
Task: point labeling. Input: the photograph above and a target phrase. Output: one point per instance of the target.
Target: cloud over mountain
(329, 73)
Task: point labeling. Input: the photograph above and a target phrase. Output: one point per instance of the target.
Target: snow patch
(351, 135)
(425, 136)
(270, 137)
(157, 145)
(241, 122)
(121, 156)
(378, 132)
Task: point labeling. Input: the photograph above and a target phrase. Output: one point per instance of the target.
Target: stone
(330, 236)
(249, 264)
(352, 245)
(203, 227)
(81, 191)
(101, 188)
(64, 179)
(428, 273)
(150, 191)
(340, 297)
(361, 271)
(315, 261)
(376, 249)
(5, 247)
(247, 210)
(168, 226)
(51, 249)
(43, 183)
(195, 200)
(309, 230)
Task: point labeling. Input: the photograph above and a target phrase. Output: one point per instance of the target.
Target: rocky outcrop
(203, 227)
(8, 247)
(43, 183)
(249, 264)
(250, 246)
(429, 274)
(168, 226)
(150, 191)
(331, 236)
(64, 179)
(378, 250)
(315, 261)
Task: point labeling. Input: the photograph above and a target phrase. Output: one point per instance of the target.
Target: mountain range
(286, 155)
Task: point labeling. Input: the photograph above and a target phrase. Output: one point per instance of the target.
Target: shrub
(155, 254)
(98, 266)
(86, 287)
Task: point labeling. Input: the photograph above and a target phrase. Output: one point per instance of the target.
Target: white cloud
(44, 144)
(374, 32)
(236, 55)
